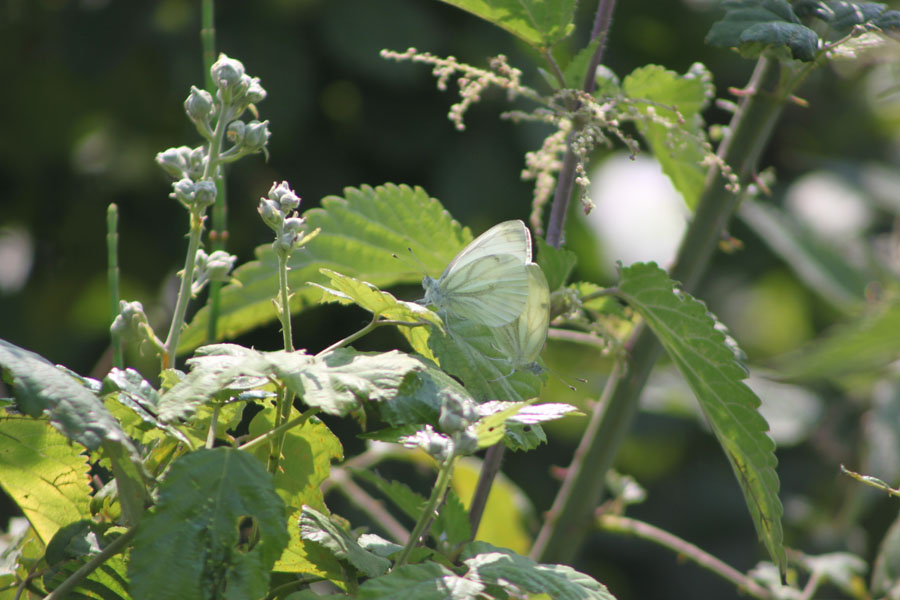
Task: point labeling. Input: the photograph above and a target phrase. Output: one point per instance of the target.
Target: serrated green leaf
(420, 397)
(360, 234)
(467, 351)
(309, 559)
(518, 574)
(847, 15)
(44, 474)
(764, 23)
(539, 23)
(41, 388)
(426, 581)
(815, 261)
(707, 362)
(316, 527)
(375, 301)
(865, 345)
(129, 388)
(679, 144)
(575, 72)
(191, 546)
(556, 263)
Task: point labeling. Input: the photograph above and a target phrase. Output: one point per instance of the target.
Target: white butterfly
(487, 281)
(522, 340)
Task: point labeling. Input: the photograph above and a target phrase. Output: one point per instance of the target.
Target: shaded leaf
(518, 575)
(707, 362)
(575, 72)
(886, 571)
(426, 581)
(419, 399)
(360, 234)
(191, 546)
(317, 527)
(539, 23)
(815, 261)
(556, 263)
(309, 558)
(867, 344)
(44, 474)
(107, 582)
(759, 24)
(677, 139)
(42, 388)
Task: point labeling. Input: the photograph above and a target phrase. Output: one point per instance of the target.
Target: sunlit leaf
(317, 527)
(361, 233)
(679, 141)
(520, 575)
(426, 581)
(44, 474)
(540, 23)
(707, 362)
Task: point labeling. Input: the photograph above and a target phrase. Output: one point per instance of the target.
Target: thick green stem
(427, 516)
(285, 400)
(112, 270)
(569, 520)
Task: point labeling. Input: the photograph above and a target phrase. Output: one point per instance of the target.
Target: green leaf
(815, 261)
(467, 351)
(41, 388)
(865, 345)
(539, 23)
(129, 388)
(677, 139)
(575, 72)
(307, 453)
(317, 527)
(426, 581)
(522, 576)
(420, 397)
(755, 25)
(556, 263)
(886, 570)
(309, 558)
(107, 582)
(191, 545)
(44, 474)
(361, 233)
(707, 362)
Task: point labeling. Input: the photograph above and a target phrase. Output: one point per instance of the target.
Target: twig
(116, 546)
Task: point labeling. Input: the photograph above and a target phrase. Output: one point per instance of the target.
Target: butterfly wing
(492, 290)
(523, 339)
(509, 237)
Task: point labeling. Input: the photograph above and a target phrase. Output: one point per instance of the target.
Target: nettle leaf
(576, 70)
(754, 25)
(520, 576)
(40, 387)
(556, 263)
(44, 474)
(108, 581)
(539, 23)
(521, 429)
(194, 544)
(676, 137)
(867, 344)
(129, 388)
(419, 399)
(426, 581)
(360, 234)
(317, 527)
(815, 261)
(707, 362)
(467, 351)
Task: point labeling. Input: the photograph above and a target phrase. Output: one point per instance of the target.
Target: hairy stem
(619, 524)
(568, 521)
(438, 493)
(184, 292)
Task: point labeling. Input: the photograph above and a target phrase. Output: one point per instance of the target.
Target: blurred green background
(93, 89)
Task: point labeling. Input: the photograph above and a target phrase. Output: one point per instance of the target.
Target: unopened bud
(287, 200)
(226, 74)
(257, 136)
(199, 105)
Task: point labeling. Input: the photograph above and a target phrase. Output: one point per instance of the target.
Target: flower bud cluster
(234, 86)
(194, 196)
(211, 267)
(278, 211)
(131, 326)
(183, 162)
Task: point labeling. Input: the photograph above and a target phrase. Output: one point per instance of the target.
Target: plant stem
(114, 547)
(112, 276)
(425, 519)
(280, 429)
(350, 338)
(358, 496)
(489, 469)
(567, 522)
(285, 402)
(184, 292)
(619, 524)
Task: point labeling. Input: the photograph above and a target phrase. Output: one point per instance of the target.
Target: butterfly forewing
(509, 237)
(492, 291)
